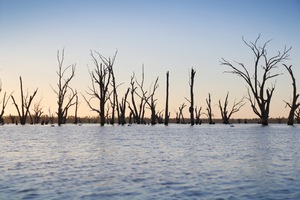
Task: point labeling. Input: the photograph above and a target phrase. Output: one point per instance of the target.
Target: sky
(164, 35)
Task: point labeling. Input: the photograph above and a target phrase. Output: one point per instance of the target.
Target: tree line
(113, 106)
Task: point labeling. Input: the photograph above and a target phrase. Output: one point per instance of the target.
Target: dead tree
(115, 96)
(259, 95)
(180, 115)
(226, 115)
(107, 114)
(151, 102)
(293, 105)
(122, 108)
(209, 110)
(50, 117)
(297, 115)
(4, 103)
(198, 115)
(25, 104)
(138, 112)
(63, 87)
(160, 117)
(76, 120)
(167, 115)
(109, 62)
(191, 101)
(37, 109)
(177, 117)
(101, 76)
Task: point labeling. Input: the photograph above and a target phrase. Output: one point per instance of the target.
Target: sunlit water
(150, 162)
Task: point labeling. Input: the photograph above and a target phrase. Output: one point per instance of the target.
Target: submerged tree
(100, 77)
(293, 105)
(235, 108)
(115, 101)
(179, 115)
(76, 120)
(151, 101)
(209, 110)
(297, 115)
(198, 115)
(26, 100)
(4, 103)
(191, 101)
(122, 108)
(138, 111)
(37, 110)
(167, 115)
(259, 94)
(63, 89)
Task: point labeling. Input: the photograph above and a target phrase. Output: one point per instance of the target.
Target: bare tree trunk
(293, 105)
(198, 115)
(167, 101)
(30, 117)
(209, 109)
(115, 94)
(76, 109)
(4, 103)
(123, 108)
(177, 119)
(180, 116)
(297, 115)
(152, 103)
(191, 109)
(134, 110)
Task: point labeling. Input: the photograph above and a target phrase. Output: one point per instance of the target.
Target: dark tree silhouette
(258, 95)
(297, 115)
(115, 101)
(198, 115)
(138, 112)
(160, 117)
(122, 108)
(76, 120)
(167, 114)
(63, 89)
(4, 103)
(152, 103)
(25, 104)
(179, 115)
(235, 108)
(191, 101)
(209, 110)
(107, 114)
(293, 105)
(101, 76)
(37, 109)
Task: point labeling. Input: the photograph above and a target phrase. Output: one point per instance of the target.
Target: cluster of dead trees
(102, 96)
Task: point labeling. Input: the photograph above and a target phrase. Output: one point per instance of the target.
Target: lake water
(247, 161)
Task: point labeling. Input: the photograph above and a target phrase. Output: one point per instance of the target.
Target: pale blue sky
(165, 35)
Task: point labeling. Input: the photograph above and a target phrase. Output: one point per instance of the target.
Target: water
(150, 162)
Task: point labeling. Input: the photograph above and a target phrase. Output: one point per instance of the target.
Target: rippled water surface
(150, 162)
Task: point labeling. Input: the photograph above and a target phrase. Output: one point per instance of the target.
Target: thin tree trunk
(167, 101)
